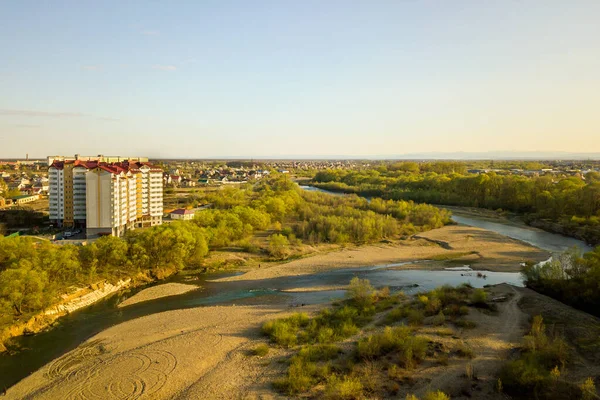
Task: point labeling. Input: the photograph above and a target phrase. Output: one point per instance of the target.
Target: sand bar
(158, 291)
(480, 248)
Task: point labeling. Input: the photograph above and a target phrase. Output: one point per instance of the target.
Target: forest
(564, 204)
(34, 272)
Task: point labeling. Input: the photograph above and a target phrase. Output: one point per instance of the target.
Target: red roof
(114, 168)
(182, 211)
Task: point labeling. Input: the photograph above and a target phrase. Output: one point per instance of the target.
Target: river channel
(32, 352)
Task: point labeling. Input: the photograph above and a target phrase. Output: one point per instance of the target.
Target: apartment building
(105, 198)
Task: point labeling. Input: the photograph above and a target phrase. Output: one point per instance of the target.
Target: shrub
(465, 323)
(261, 350)
(361, 292)
(463, 350)
(439, 319)
(433, 306)
(537, 368)
(345, 388)
(438, 395)
(279, 246)
(320, 352)
(284, 331)
(301, 376)
(415, 317)
(409, 348)
(444, 332)
(588, 389)
(396, 315)
(478, 297)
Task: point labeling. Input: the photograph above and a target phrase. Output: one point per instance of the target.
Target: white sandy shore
(156, 292)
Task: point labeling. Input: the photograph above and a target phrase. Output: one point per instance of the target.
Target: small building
(18, 200)
(182, 214)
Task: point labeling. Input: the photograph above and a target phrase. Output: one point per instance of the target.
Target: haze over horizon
(272, 79)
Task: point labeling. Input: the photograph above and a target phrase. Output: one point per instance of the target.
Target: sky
(285, 78)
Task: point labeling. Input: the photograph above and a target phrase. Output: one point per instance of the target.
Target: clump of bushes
(302, 374)
(463, 350)
(284, 331)
(479, 297)
(399, 340)
(437, 395)
(261, 350)
(538, 369)
(343, 388)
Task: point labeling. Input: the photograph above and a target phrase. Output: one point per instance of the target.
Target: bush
(301, 376)
(345, 388)
(588, 389)
(279, 246)
(438, 395)
(439, 319)
(479, 297)
(415, 317)
(284, 331)
(321, 352)
(465, 323)
(396, 315)
(536, 370)
(433, 306)
(361, 292)
(261, 350)
(464, 350)
(399, 340)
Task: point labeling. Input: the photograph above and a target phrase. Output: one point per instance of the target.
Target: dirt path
(491, 342)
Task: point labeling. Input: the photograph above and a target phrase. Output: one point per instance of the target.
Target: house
(188, 183)
(175, 179)
(25, 199)
(182, 214)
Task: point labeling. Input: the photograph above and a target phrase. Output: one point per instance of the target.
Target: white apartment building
(105, 198)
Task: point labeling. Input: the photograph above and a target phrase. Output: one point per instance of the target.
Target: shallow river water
(32, 352)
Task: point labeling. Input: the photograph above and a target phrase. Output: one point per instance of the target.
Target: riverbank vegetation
(369, 345)
(569, 277)
(35, 273)
(560, 203)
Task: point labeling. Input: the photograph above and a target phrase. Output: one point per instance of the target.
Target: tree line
(568, 204)
(34, 272)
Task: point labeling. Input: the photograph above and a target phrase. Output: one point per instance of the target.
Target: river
(32, 352)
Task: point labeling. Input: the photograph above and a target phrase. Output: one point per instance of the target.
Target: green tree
(23, 287)
(279, 246)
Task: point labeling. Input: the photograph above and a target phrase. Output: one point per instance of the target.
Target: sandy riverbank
(183, 354)
(451, 245)
(157, 292)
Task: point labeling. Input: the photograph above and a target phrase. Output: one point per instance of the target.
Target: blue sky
(290, 78)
